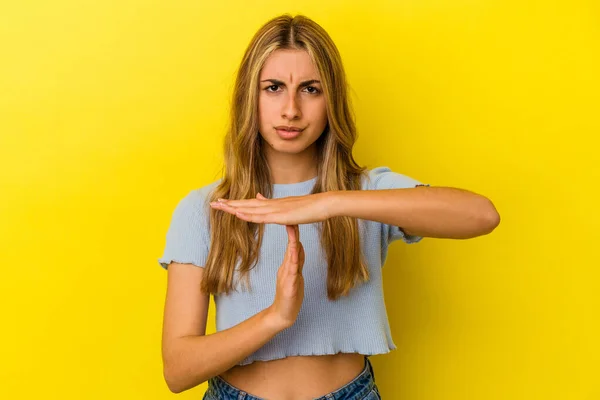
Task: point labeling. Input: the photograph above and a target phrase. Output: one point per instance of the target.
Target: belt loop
(241, 395)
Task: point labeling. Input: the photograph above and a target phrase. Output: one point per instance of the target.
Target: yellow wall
(110, 112)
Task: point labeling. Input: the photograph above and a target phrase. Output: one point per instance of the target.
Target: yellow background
(110, 112)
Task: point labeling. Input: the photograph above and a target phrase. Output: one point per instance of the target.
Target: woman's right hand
(290, 282)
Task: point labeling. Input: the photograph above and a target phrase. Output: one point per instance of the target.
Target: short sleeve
(383, 178)
(188, 236)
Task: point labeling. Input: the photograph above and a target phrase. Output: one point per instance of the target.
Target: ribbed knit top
(356, 323)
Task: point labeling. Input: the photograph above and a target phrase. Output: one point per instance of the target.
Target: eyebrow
(302, 84)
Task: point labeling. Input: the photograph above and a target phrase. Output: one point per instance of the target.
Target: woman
(299, 215)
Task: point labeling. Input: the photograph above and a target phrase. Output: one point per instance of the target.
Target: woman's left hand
(284, 211)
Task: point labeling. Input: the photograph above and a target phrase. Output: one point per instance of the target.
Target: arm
(189, 356)
(438, 212)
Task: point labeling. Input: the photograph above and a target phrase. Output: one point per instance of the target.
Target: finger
(263, 208)
(251, 210)
(288, 248)
(292, 233)
(245, 203)
(289, 229)
(260, 196)
(292, 249)
(249, 214)
(301, 258)
(284, 267)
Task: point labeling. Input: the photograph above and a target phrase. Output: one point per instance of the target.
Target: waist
(296, 377)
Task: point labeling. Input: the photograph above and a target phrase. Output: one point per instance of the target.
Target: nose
(291, 108)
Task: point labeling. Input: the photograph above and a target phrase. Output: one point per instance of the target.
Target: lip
(288, 132)
(288, 128)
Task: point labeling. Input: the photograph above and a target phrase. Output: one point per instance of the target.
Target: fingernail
(221, 200)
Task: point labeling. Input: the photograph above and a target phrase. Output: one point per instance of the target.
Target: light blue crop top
(356, 323)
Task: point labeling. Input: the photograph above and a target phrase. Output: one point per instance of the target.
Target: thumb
(260, 196)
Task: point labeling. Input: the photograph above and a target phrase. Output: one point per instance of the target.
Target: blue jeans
(360, 388)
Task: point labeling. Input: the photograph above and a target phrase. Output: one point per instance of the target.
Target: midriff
(296, 377)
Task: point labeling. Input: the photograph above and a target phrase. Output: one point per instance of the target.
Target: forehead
(289, 65)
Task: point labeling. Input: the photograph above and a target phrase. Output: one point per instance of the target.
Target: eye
(315, 90)
(267, 88)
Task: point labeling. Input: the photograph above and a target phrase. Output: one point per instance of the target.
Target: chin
(289, 148)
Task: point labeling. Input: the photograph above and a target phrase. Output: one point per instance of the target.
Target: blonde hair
(246, 171)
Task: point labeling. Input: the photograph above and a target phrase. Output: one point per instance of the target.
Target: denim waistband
(359, 387)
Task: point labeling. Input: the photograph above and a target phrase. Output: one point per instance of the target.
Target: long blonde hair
(246, 171)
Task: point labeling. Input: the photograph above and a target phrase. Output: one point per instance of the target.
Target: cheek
(319, 112)
(265, 110)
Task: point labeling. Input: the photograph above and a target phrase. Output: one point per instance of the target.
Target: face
(291, 95)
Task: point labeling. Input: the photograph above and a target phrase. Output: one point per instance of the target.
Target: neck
(288, 168)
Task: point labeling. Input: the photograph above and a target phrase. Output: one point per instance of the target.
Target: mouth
(288, 132)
